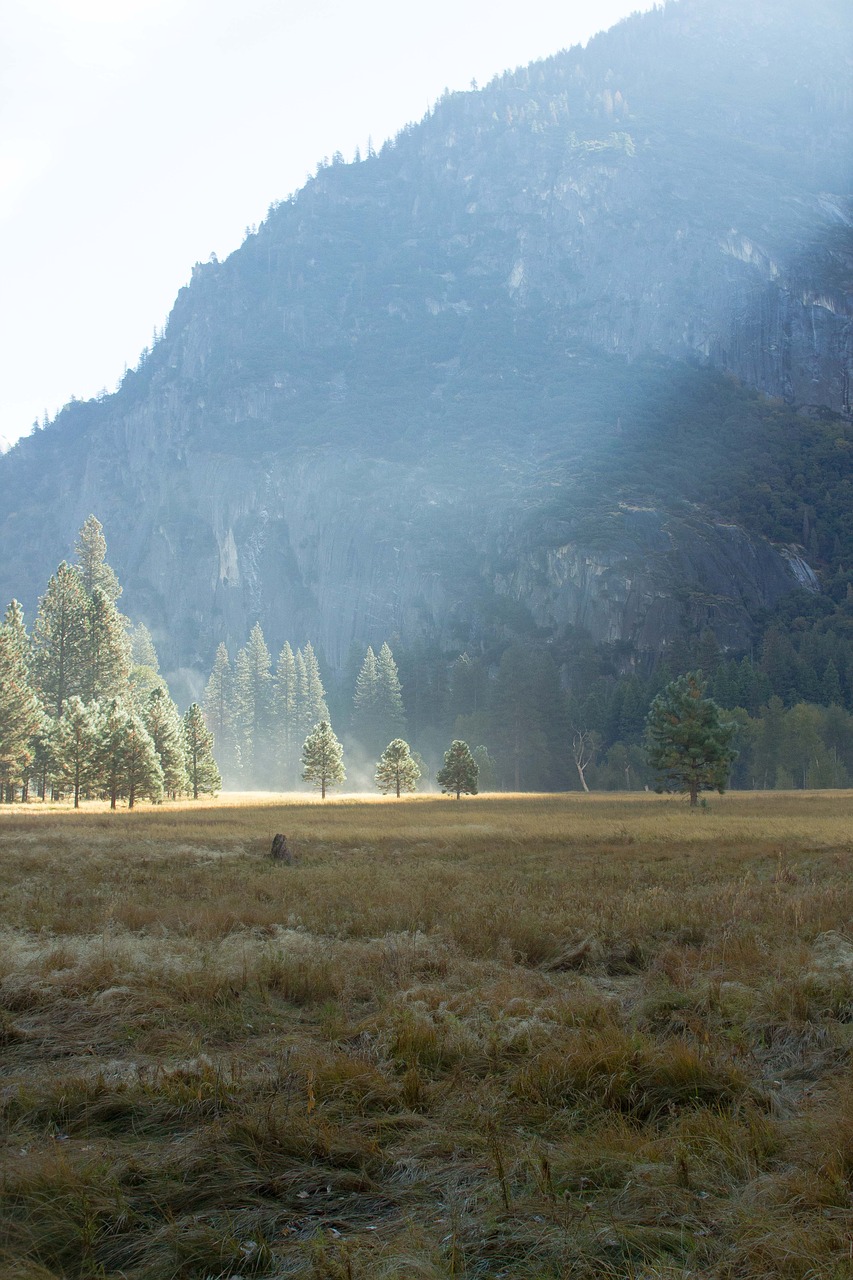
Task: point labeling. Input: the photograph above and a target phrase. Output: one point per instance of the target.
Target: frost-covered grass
(521, 1036)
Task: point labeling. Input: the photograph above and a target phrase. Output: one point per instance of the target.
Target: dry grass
(524, 1036)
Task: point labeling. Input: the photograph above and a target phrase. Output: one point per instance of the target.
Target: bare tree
(585, 744)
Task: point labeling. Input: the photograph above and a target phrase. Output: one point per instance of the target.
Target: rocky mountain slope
(481, 381)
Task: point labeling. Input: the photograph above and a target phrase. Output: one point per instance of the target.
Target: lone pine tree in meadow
(459, 772)
(323, 758)
(396, 770)
(689, 746)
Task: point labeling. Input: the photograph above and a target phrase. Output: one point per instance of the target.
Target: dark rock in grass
(279, 851)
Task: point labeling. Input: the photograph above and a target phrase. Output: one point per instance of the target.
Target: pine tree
(105, 657)
(126, 762)
(219, 710)
(389, 695)
(459, 772)
(396, 770)
(323, 758)
(203, 773)
(366, 693)
(74, 744)
(142, 651)
(315, 708)
(163, 721)
(286, 731)
(59, 640)
(253, 703)
(91, 549)
(20, 712)
(13, 622)
(688, 744)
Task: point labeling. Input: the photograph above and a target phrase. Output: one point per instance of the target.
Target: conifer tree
(20, 712)
(126, 761)
(219, 710)
(253, 703)
(202, 770)
(286, 731)
(105, 655)
(59, 639)
(91, 549)
(389, 697)
(396, 770)
(315, 708)
(163, 721)
(142, 651)
(459, 772)
(688, 744)
(322, 758)
(13, 621)
(366, 721)
(74, 746)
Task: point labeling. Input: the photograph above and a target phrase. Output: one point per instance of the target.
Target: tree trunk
(694, 793)
(322, 788)
(580, 770)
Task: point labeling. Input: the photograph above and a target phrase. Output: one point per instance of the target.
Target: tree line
(83, 708)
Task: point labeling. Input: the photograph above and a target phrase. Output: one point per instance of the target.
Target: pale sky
(139, 136)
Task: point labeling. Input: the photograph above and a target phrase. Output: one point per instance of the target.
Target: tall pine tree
(202, 769)
(59, 640)
(253, 701)
(91, 549)
(163, 721)
(219, 712)
(20, 713)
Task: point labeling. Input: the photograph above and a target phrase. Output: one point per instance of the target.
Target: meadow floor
(510, 1036)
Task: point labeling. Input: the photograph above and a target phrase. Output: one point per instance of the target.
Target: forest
(84, 709)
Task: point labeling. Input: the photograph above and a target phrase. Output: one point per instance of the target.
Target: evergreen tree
(59, 640)
(396, 770)
(365, 704)
(105, 657)
(323, 758)
(253, 702)
(74, 746)
(201, 767)
(13, 622)
(389, 695)
(126, 762)
(20, 712)
(459, 772)
(286, 732)
(142, 651)
(219, 711)
(689, 746)
(163, 721)
(91, 549)
(315, 709)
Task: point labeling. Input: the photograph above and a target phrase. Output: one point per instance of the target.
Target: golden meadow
(510, 1036)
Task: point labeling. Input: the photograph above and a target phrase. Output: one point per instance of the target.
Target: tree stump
(279, 851)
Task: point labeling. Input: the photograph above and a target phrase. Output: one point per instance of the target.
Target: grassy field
(527, 1036)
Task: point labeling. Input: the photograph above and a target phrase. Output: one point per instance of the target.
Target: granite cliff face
(425, 397)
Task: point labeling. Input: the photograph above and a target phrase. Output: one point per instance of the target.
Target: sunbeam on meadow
(515, 1036)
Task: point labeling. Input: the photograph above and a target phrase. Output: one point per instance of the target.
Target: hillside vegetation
(509, 1036)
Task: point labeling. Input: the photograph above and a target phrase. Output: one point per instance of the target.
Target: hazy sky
(138, 136)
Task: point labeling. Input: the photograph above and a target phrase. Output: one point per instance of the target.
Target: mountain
(572, 352)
